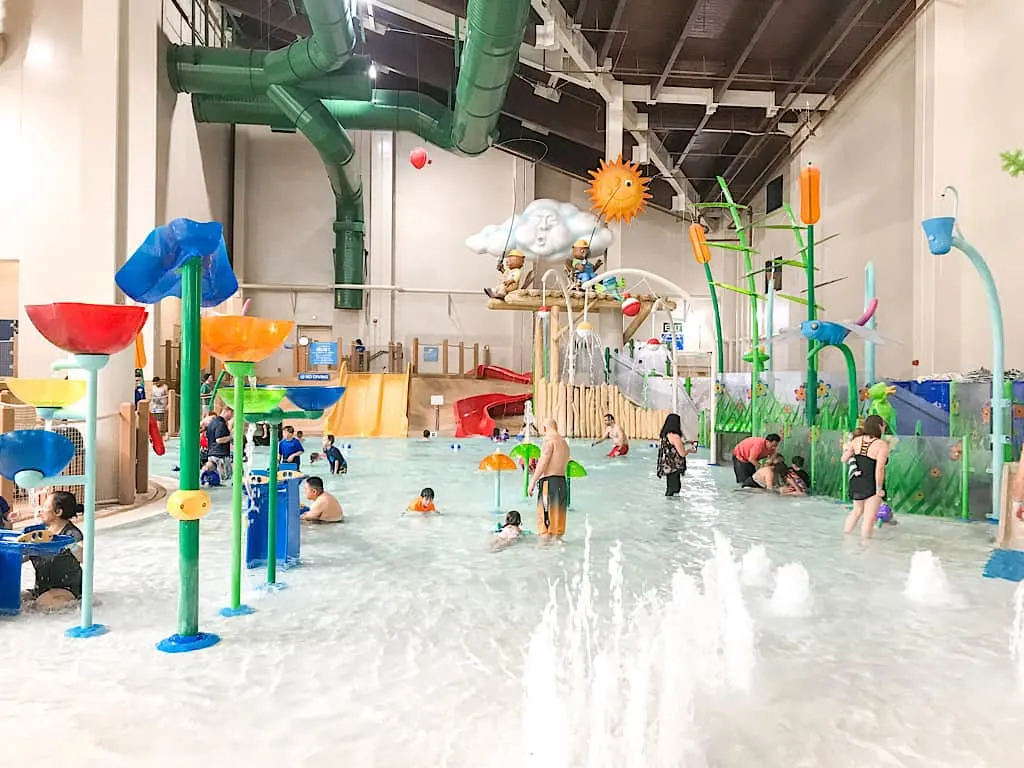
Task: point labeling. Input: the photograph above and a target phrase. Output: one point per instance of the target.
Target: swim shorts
(618, 450)
(552, 505)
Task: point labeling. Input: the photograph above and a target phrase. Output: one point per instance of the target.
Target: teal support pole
(943, 233)
(92, 365)
(497, 491)
(869, 346)
(998, 402)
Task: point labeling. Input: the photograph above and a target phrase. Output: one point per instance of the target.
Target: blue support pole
(869, 346)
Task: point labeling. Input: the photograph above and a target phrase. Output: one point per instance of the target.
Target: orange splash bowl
(240, 338)
(88, 329)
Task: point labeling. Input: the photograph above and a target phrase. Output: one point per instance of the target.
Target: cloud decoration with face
(545, 230)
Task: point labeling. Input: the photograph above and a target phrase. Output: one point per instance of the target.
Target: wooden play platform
(529, 300)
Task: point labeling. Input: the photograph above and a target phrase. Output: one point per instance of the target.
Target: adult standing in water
(672, 454)
(553, 495)
(865, 457)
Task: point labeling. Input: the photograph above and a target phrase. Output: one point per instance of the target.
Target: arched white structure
(675, 291)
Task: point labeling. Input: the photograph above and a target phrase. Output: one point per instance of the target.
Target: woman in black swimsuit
(865, 457)
(58, 577)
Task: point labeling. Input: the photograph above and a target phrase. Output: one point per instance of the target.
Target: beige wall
(866, 155)
(9, 306)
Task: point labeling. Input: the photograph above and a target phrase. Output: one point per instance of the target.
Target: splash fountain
(90, 334)
(241, 342)
(264, 404)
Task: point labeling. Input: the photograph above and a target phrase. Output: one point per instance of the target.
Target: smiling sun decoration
(618, 191)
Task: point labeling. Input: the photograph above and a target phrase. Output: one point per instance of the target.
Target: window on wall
(773, 195)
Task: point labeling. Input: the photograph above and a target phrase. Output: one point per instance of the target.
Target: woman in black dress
(58, 577)
(672, 454)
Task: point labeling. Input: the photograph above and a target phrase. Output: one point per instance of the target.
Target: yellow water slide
(374, 405)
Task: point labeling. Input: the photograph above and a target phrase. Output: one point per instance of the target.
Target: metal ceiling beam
(442, 21)
(688, 11)
(609, 36)
(275, 15)
(712, 98)
(429, 61)
(576, 47)
(720, 91)
(884, 37)
(849, 19)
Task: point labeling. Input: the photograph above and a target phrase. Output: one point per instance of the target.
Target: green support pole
(811, 395)
(239, 371)
(188, 637)
(213, 394)
(965, 478)
(188, 530)
(851, 383)
(1008, 421)
(720, 356)
(844, 477)
(272, 509)
(755, 370)
(568, 492)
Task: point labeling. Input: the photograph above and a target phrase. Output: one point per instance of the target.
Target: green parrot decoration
(879, 405)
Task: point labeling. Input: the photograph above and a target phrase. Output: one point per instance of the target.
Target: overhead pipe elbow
(332, 44)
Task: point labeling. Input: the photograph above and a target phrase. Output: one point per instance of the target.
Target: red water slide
(502, 374)
(474, 416)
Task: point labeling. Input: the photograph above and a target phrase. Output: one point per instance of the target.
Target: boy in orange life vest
(423, 503)
(748, 453)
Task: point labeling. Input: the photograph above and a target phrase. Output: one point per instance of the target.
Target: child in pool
(796, 481)
(772, 474)
(423, 503)
(510, 531)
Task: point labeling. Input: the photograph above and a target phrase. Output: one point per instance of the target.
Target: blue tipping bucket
(939, 232)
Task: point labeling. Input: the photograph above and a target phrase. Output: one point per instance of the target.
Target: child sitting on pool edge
(509, 532)
(423, 503)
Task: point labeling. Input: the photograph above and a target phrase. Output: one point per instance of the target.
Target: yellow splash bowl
(47, 393)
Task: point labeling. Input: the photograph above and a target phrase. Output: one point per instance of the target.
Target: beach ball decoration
(653, 343)
(418, 158)
(544, 312)
(630, 306)
(584, 329)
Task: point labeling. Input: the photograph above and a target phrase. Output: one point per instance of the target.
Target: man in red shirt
(748, 453)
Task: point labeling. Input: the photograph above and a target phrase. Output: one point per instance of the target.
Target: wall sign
(431, 354)
(314, 377)
(323, 353)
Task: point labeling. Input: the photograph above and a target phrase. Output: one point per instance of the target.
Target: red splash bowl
(88, 329)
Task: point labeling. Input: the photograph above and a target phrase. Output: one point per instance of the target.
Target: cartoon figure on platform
(545, 230)
(511, 275)
(582, 269)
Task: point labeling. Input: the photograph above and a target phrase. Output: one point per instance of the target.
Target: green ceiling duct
(308, 113)
(386, 110)
(317, 86)
(240, 72)
(332, 43)
(494, 34)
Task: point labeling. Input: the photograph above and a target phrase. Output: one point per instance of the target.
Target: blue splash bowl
(312, 398)
(34, 450)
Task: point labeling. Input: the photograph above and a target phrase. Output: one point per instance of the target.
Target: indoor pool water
(725, 629)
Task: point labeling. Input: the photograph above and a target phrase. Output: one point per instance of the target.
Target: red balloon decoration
(418, 158)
